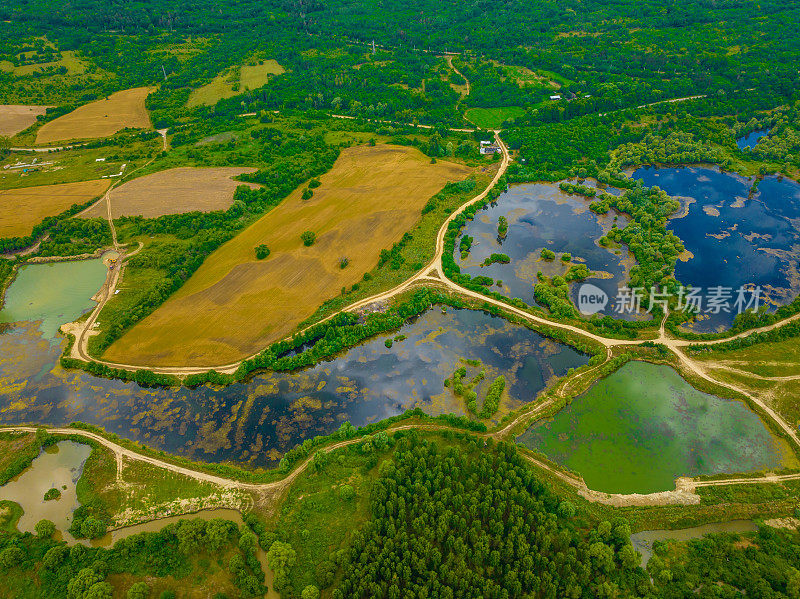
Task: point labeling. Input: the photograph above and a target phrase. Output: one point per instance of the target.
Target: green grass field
(752, 367)
(250, 77)
(492, 118)
(781, 358)
(73, 64)
(560, 79)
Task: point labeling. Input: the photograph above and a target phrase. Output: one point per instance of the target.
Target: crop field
(251, 77)
(18, 117)
(21, 209)
(234, 305)
(101, 118)
(174, 191)
(492, 118)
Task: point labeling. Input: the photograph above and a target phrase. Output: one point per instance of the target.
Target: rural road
(449, 60)
(683, 493)
(433, 273)
(50, 149)
(671, 101)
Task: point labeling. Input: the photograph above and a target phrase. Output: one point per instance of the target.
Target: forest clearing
(100, 118)
(234, 305)
(239, 79)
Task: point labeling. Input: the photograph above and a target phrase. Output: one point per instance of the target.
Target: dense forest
(601, 56)
(451, 524)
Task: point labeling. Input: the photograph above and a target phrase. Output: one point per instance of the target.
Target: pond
(734, 236)
(256, 422)
(643, 426)
(643, 541)
(750, 140)
(57, 467)
(157, 525)
(541, 216)
(52, 294)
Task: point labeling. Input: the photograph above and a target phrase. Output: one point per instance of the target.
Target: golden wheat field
(100, 118)
(22, 209)
(235, 305)
(174, 191)
(18, 117)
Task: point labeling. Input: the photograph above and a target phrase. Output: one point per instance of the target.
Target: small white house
(555, 97)
(99, 159)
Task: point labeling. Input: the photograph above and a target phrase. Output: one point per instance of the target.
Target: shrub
(502, 227)
(138, 590)
(496, 258)
(308, 237)
(548, 254)
(307, 193)
(262, 251)
(314, 183)
(310, 592)
(281, 557)
(52, 494)
(566, 257)
(566, 509)
(92, 528)
(347, 493)
(11, 556)
(45, 529)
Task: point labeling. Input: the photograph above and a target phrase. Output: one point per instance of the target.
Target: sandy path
(449, 59)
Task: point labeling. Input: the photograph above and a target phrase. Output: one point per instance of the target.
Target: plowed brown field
(174, 191)
(15, 118)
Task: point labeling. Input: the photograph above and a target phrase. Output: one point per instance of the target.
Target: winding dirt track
(433, 274)
(449, 60)
(684, 493)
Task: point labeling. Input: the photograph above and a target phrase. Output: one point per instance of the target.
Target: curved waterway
(256, 422)
(643, 426)
(541, 216)
(735, 235)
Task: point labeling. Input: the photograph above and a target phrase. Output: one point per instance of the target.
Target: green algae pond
(53, 293)
(643, 426)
